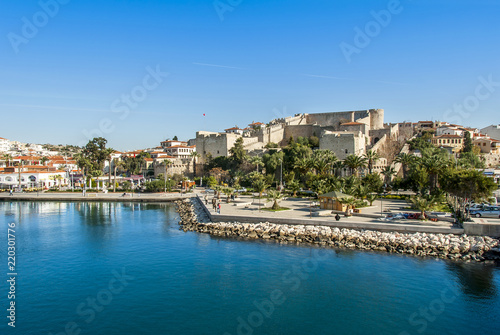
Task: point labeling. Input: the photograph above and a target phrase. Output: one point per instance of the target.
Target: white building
(33, 178)
(180, 151)
(449, 130)
(171, 143)
(492, 131)
(234, 130)
(4, 144)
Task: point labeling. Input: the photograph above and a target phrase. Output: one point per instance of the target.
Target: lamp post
(165, 178)
(281, 174)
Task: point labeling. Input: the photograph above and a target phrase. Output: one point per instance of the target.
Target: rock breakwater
(467, 248)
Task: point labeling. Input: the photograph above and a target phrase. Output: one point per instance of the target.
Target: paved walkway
(246, 209)
(110, 197)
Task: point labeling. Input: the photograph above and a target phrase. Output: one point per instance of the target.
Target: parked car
(475, 207)
(487, 212)
(241, 190)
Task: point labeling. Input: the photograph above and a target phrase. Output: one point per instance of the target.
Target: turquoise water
(113, 268)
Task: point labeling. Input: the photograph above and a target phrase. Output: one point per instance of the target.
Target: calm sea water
(106, 268)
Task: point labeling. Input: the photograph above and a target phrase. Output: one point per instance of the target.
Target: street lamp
(281, 174)
(165, 178)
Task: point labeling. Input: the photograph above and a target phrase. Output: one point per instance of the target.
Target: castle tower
(376, 118)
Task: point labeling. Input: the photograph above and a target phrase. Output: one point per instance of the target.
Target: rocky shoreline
(466, 248)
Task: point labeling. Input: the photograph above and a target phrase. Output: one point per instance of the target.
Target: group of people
(215, 204)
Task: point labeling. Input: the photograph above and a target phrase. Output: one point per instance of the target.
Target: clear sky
(79, 67)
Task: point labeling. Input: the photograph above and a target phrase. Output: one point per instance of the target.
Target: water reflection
(475, 280)
(21, 210)
(96, 213)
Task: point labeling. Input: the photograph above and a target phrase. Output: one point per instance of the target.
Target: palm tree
(355, 162)
(194, 155)
(260, 186)
(422, 203)
(349, 202)
(434, 163)
(43, 160)
(371, 198)
(388, 172)
(322, 161)
(294, 186)
(257, 161)
(227, 191)
(405, 160)
(116, 165)
(303, 165)
(274, 195)
(8, 158)
(372, 158)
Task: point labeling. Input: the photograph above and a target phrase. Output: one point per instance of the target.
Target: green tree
(423, 203)
(371, 159)
(354, 163)
(228, 191)
(274, 196)
(195, 155)
(371, 197)
(464, 186)
(260, 186)
(373, 182)
(257, 161)
(388, 172)
(7, 158)
(294, 186)
(238, 153)
(467, 142)
(175, 138)
(406, 160)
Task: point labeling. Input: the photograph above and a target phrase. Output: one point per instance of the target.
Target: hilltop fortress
(344, 133)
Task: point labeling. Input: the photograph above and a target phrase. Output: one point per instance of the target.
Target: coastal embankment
(445, 246)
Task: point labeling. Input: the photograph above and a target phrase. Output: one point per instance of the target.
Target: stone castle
(344, 133)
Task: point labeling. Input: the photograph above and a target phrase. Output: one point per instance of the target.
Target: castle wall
(330, 119)
(364, 128)
(274, 134)
(183, 166)
(343, 143)
(215, 144)
(307, 130)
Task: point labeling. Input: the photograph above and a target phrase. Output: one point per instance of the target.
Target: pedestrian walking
(10, 191)
(219, 208)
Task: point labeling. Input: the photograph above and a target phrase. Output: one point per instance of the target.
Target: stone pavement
(246, 209)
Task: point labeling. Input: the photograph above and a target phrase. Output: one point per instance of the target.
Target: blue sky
(244, 61)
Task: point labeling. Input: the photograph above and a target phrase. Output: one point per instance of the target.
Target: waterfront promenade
(246, 209)
(93, 197)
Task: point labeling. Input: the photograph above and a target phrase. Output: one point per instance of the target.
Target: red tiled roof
(352, 124)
